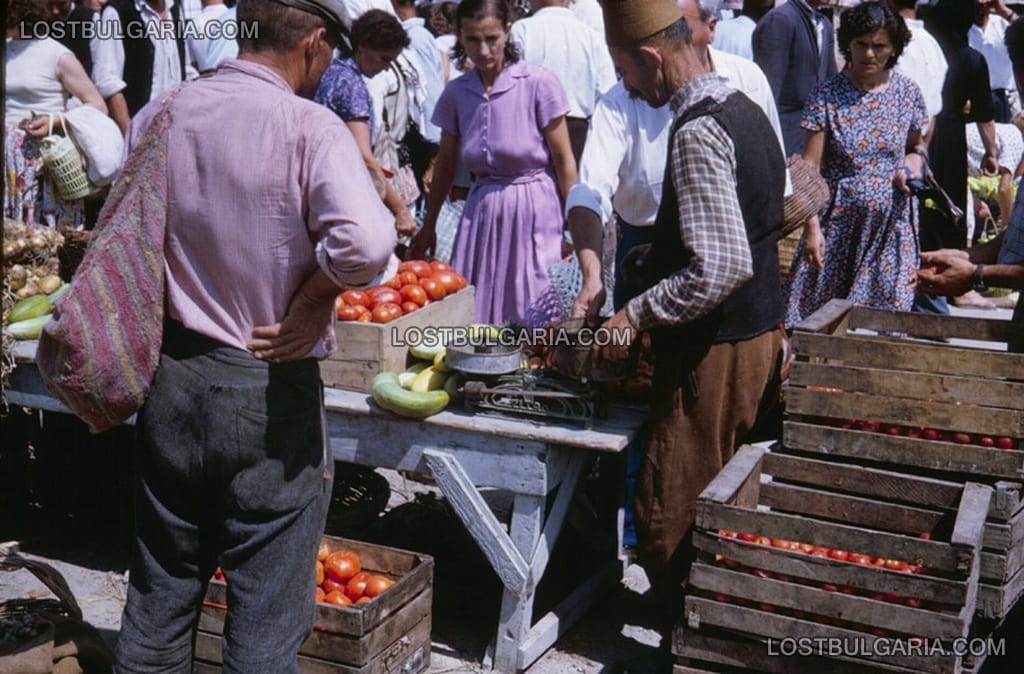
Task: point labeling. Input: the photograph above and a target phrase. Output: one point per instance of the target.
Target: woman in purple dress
(506, 120)
(864, 132)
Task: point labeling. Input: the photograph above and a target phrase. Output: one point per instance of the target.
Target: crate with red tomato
(914, 392)
(373, 324)
(787, 550)
(373, 612)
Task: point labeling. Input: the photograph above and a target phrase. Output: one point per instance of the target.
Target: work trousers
(232, 473)
(692, 438)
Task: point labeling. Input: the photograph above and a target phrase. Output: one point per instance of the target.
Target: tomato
(347, 313)
(912, 432)
(805, 548)
(342, 565)
(385, 312)
(781, 543)
(987, 441)
(435, 290)
(913, 602)
(414, 293)
(394, 283)
(763, 540)
(376, 585)
(337, 598)
(897, 565)
(365, 318)
(829, 587)
(356, 297)
(319, 572)
(894, 429)
(438, 265)
(931, 434)
(858, 558)
(449, 281)
(323, 552)
(962, 438)
(363, 600)
(818, 551)
(925, 536)
(722, 598)
(356, 586)
(839, 555)
(418, 267)
(750, 538)
(387, 296)
(330, 586)
(408, 278)
(409, 307)
(1004, 443)
(320, 595)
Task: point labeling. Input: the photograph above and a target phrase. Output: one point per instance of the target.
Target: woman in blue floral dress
(864, 132)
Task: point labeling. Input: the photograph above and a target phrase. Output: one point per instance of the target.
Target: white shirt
(923, 62)
(991, 43)
(431, 72)
(31, 78)
(221, 49)
(589, 12)
(108, 54)
(623, 162)
(197, 42)
(733, 36)
(578, 56)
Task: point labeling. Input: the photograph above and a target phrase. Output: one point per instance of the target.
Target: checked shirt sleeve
(703, 160)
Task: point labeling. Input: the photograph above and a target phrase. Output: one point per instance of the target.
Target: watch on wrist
(979, 279)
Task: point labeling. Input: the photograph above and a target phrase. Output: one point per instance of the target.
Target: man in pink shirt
(266, 221)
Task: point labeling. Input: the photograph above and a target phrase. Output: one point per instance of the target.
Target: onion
(49, 284)
(28, 290)
(38, 243)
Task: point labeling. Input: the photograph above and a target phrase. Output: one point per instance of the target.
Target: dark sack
(100, 352)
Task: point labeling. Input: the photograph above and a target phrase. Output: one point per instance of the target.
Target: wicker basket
(65, 165)
(787, 250)
(809, 196)
(359, 497)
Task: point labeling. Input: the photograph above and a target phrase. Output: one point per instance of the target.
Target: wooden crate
(367, 349)
(927, 500)
(389, 634)
(858, 363)
(996, 600)
(798, 595)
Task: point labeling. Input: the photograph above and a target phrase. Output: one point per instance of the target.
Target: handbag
(390, 155)
(100, 352)
(64, 164)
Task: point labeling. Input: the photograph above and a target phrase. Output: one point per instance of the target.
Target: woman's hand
(405, 224)
(814, 244)
(39, 126)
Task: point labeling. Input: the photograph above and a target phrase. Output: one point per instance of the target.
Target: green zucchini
(30, 307)
(59, 293)
(390, 395)
(29, 328)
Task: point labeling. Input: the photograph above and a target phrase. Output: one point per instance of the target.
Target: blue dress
(871, 248)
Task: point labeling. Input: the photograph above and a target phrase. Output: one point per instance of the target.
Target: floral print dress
(870, 231)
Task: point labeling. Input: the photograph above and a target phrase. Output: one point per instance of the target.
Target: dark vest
(75, 37)
(757, 306)
(139, 53)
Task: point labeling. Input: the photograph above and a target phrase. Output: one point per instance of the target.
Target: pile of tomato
(417, 284)
(959, 437)
(340, 578)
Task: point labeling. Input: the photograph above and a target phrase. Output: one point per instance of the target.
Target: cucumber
(431, 379)
(424, 352)
(440, 364)
(390, 395)
(29, 328)
(406, 379)
(59, 293)
(30, 307)
(453, 385)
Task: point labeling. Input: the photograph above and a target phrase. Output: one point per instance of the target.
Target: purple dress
(871, 251)
(511, 228)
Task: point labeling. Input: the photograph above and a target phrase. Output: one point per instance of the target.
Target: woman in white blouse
(41, 76)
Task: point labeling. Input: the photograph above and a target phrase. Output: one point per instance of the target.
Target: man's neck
(908, 13)
(279, 63)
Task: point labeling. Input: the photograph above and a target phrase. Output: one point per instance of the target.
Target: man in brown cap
(713, 303)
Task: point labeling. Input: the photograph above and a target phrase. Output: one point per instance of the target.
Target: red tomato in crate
(419, 267)
(356, 586)
(376, 585)
(414, 293)
(355, 298)
(342, 565)
(409, 307)
(408, 278)
(365, 318)
(319, 572)
(394, 283)
(347, 313)
(320, 595)
(450, 280)
(435, 290)
(438, 265)
(386, 312)
(323, 552)
(337, 598)
(387, 296)
(330, 586)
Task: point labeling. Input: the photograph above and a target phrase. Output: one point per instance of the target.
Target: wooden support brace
(475, 514)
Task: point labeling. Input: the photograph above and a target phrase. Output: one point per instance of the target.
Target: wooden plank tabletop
(607, 435)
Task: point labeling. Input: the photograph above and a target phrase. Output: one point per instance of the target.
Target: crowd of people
(512, 134)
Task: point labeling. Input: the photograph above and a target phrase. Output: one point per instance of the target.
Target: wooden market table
(541, 464)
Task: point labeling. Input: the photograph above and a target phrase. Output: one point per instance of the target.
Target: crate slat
(947, 457)
(929, 325)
